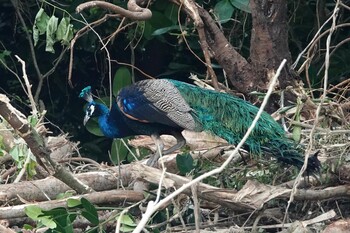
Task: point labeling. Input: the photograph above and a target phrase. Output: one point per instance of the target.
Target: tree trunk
(269, 46)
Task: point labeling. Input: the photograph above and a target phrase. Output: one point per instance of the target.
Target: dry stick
(36, 144)
(153, 207)
(346, 40)
(345, 6)
(192, 11)
(133, 67)
(15, 74)
(196, 207)
(191, 5)
(314, 41)
(28, 86)
(309, 45)
(318, 110)
(121, 214)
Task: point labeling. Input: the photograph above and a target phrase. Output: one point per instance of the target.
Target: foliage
(61, 219)
(161, 47)
(158, 44)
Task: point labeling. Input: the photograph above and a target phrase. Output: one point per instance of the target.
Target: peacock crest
(86, 94)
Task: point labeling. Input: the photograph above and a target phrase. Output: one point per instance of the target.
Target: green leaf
(62, 28)
(3, 55)
(72, 202)
(59, 211)
(184, 163)
(64, 31)
(242, 5)
(90, 212)
(33, 120)
(119, 151)
(28, 227)
(68, 224)
(296, 134)
(126, 228)
(128, 220)
(158, 20)
(35, 35)
(68, 36)
(48, 222)
(40, 25)
(41, 20)
(224, 10)
(161, 31)
(122, 78)
(63, 219)
(64, 195)
(51, 34)
(171, 12)
(33, 212)
(36, 213)
(15, 153)
(31, 168)
(93, 127)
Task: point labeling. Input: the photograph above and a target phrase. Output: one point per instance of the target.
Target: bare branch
(135, 12)
(37, 145)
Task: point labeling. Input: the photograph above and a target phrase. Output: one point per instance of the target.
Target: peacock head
(93, 109)
(91, 106)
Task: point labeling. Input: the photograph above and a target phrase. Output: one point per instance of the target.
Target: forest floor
(250, 194)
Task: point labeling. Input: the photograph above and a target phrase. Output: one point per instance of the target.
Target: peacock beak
(86, 118)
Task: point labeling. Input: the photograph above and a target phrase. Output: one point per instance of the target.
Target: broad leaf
(72, 202)
(92, 127)
(184, 163)
(33, 212)
(242, 5)
(118, 151)
(90, 212)
(51, 34)
(40, 25)
(161, 31)
(122, 78)
(223, 10)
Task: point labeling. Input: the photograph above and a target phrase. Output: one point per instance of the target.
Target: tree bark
(269, 41)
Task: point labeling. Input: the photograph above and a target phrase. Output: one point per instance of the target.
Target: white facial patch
(90, 110)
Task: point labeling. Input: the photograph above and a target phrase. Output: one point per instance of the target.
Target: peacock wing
(157, 101)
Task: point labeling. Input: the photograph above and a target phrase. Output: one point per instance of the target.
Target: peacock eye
(90, 110)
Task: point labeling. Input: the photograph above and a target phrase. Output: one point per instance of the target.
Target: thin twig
(29, 87)
(196, 210)
(24, 168)
(109, 62)
(318, 110)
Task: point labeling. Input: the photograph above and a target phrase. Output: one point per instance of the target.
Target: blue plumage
(156, 107)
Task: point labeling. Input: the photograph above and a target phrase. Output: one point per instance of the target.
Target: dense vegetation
(112, 53)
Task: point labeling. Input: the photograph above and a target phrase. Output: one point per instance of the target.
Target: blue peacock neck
(112, 122)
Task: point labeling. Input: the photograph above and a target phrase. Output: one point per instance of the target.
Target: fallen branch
(112, 196)
(50, 187)
(252, 196)
(37, 145)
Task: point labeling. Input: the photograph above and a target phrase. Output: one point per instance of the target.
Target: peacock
(164, 106)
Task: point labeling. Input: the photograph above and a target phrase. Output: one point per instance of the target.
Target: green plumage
(229, 117)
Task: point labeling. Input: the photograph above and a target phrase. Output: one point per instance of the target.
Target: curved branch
(37, 145)
(237, 68)
(135, 12)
